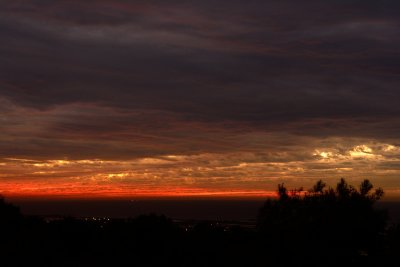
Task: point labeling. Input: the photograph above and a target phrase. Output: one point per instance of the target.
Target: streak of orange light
(71, 190)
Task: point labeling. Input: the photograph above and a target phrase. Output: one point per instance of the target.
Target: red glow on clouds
(71, 190)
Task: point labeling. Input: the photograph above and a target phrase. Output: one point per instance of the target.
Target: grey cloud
(307, 69)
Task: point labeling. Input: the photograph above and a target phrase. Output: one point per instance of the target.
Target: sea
(180, 209)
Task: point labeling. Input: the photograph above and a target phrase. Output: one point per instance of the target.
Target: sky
(117, 98)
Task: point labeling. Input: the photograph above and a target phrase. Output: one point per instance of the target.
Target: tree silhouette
(322, 223)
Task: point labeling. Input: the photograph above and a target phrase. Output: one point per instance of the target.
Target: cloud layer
(284, 89)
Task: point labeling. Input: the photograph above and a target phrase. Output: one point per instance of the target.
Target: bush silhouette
(10, 217)
(324, 222)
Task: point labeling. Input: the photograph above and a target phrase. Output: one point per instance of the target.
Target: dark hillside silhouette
(320, 227)
(10, 216)
(10, 226)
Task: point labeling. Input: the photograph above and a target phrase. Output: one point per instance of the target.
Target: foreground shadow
(325, 226)
(319, 227)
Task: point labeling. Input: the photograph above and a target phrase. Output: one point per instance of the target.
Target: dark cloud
(132, 79)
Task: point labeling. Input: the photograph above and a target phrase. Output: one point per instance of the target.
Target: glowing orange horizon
(32, 190)
(244, 175)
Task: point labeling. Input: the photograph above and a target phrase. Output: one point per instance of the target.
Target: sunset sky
(118, 98)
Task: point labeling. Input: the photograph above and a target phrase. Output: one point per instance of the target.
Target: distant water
(200, 209)
(178, 209)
